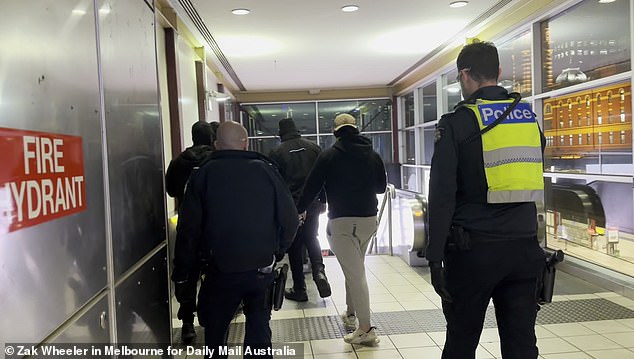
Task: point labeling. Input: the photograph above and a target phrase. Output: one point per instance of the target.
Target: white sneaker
(349, 321)
(360, 337)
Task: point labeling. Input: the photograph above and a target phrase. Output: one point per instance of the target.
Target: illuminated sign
(41, 178)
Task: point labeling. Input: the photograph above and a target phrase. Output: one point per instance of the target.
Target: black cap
(287, 126)
(201, 133)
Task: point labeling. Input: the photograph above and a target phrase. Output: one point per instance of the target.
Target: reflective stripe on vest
(511, 151)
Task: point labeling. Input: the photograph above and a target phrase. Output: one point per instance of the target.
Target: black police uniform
(238, 212)
(504, 261)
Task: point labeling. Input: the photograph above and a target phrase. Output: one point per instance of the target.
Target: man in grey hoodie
(352, 174)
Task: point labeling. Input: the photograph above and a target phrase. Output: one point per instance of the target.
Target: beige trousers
(349, 238)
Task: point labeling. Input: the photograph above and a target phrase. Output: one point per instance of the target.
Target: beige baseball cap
(344, 119)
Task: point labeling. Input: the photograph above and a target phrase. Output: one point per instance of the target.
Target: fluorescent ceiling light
(79, 12)
(458, 4)
(606, 1)
(240, 11)
(350, 8)
(454, 88)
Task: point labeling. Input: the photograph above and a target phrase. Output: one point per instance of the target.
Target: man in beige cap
(352, 174)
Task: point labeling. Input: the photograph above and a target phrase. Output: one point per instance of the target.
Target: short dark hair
(481, 58)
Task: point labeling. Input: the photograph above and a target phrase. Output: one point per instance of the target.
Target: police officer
(485, 179)
(240, 214)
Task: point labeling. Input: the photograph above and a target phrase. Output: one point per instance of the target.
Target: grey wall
(60, 279)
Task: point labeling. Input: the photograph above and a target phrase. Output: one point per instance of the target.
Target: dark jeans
(306, 237)
(506, 271)
(219, 297)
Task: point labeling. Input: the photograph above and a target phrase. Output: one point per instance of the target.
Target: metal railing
(390, 193)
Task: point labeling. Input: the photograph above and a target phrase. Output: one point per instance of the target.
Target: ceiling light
(350, 8)
(606, 1)
(240, 11)
(458, 3)
(79, 12)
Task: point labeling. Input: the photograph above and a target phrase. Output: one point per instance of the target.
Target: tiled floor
(403, 301)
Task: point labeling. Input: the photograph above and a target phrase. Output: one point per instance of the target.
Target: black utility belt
(461, 239)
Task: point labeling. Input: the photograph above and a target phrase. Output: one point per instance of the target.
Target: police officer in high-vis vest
(486, 176)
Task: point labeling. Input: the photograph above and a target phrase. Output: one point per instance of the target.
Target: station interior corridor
(583, 321)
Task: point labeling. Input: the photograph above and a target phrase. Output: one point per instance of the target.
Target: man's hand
(302, 218)
(439, 281)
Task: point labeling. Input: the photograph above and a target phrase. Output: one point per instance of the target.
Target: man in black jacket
(238, 212)
(179, 169)
(294, 158)
(352, 174)
(178, 172)
(482, 237)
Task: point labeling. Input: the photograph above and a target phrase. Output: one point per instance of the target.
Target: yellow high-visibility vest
(512, 152)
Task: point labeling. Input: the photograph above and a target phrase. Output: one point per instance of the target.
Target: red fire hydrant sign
(41, 178)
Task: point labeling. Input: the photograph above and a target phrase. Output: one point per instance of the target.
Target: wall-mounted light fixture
(218, 96)
(215, 96)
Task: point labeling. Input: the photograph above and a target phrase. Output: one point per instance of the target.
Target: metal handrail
(390, 193)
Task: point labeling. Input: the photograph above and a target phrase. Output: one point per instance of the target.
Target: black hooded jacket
(294, 158)
(181, 167)
(352, 174)
(237, 212)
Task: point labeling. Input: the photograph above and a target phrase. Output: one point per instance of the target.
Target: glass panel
(326, 141)
(410, 146)
(229, 110)
(592, 221)
(408, 110)
(428, 138)
(263, 145)
(590, 131)
(578, 46)
(261, 120)
(410, 179)
(372, 115)
(382, 143)
(430, 110)
(451, 90)
(515, 61)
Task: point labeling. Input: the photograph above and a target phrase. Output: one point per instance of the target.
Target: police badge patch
(438, 133)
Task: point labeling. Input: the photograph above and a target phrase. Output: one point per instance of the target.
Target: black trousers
(306, 237)
(219, 297)
(506, 271)
(187, 299)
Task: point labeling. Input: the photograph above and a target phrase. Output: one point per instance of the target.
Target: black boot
(188, 333)
(298, 295)
(319, 276)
